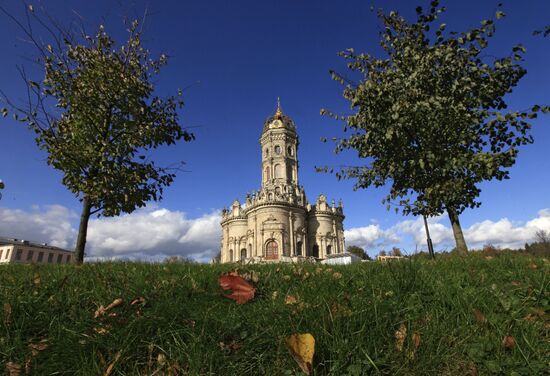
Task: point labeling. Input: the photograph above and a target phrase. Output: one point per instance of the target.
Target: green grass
(353, 318)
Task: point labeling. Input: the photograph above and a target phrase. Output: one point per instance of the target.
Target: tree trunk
(82, 231)
(457, 232)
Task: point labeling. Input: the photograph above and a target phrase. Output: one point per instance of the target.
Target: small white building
(341, 259)
(23, 251)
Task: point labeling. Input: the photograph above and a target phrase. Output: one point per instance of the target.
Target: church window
(277, 171)
(266, 152)
(299, 249)
(290, 151)
(329, 249)
(277, 149)
(271, 250)
(230, 255)
(267, 174)
(243, 253)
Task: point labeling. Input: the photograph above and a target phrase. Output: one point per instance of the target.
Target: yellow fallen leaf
(36, 280)
(101, 310)
(302, 348)
(400, 336)
(337, 275)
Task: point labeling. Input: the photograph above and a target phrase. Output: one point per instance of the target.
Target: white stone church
(277, 223)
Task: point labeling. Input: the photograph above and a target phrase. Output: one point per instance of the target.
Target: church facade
(277, 223)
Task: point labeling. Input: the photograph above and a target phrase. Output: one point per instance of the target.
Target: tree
(430, 119)
(358, 251)
(382, 253)
(96, 116)
(542, 236)
(396, 252)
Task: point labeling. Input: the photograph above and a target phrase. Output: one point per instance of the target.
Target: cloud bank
(156, 233)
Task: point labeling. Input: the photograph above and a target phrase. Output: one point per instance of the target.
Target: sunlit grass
(186, 326)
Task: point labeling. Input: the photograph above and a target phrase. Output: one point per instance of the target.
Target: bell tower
(279, 143)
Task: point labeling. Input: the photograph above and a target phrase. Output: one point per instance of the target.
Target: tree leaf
(242, 291)
(302, 349)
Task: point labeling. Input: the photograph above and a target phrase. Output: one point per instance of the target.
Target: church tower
(279, 143)
(276, 223)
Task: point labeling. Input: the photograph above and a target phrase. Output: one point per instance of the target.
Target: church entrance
(315, 251)
(243, 253)
(271, 250)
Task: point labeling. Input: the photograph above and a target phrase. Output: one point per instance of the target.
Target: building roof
(279, 120)
(14, 241)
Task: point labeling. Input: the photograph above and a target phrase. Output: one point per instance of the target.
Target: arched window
(299, 249)
(243, 253)
(289, 150)
(329, 249)
(230, 255)
(278, 171)
(271, 250)
(267, 175)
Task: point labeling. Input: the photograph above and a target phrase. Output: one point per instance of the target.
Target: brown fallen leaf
(140, 300)
(102, 310)
(532, 265)
(229, 347)
(242, 290)
(13, 369)
(112, 365)
(291, 299)
(480, 319)
(7, 314)
(416, 340)
(337, 275)
(302, 348)
(39, 346)
(400, 336)
(508, 342)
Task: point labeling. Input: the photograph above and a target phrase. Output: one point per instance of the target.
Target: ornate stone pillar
(291, 227)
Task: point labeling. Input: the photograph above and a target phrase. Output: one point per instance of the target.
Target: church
(277, 223)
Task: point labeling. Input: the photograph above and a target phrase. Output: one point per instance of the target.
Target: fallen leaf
(36, 280)
(479, 316)
(230, 347)
(275, 295)
(400, 336)
(532, 265)
(39, 346)
(161, 359)
(102, 310)
(416, 340)
(112, 365)
(508, 342)
(291, 299)
(14, 369)
(242, 290)
(338, 310)
(302, 348)
(140, 300)
(7, 313)
(337, 275)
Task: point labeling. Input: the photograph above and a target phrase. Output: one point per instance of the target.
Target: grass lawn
(455, 316)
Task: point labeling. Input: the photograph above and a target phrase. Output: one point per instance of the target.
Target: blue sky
(235, 58)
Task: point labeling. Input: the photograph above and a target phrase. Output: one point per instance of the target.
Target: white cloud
(146, 234)
(49, 224)
(411, 234)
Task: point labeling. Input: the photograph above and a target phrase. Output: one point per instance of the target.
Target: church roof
(279, 120)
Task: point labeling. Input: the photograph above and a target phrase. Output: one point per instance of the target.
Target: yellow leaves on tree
(302, 348)
(242, 291)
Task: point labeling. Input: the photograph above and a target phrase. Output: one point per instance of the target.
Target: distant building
(386, 258)
(341, 259)
(277, 223)
(23, 251)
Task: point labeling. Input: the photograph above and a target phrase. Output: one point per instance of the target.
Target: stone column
(291, 227)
